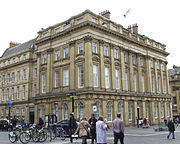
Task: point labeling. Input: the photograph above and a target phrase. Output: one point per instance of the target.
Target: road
(133, 135)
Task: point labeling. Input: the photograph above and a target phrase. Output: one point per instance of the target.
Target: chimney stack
(13, 44)
(133, 28)
(105, 14)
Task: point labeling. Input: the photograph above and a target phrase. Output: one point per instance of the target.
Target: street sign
(56, 102)
(9, 103)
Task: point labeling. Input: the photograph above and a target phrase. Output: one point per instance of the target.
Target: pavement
(133, 135)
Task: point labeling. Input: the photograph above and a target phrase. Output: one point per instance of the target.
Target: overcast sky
(20, 20)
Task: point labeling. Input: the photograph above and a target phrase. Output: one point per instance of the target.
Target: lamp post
(9, 105)
(72, 96)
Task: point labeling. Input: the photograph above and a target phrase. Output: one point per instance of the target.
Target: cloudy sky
(20, 20)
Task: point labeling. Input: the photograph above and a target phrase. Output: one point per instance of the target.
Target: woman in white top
(101, 131)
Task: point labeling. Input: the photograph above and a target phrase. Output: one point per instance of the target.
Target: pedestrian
(118, 129)
(92, 122)
(41, 123)
(14, 121)
(83, 130)
(101, 131)
(72, 126)
(171, 128)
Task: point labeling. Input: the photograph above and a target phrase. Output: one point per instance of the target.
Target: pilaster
(126, 116)
(72, 67)
(38, 73)
(134, 112)
(113, 84)
(131, 78)
(148, 80)
(102, 71)
(151, 113)
(123, 83)
(139, 74)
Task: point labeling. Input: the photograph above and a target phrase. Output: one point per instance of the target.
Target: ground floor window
(79, 110)
(168, 111)
(147, 110)
(120, 109)
(155, 110)
(109, 111)
(162, 110)
(130, 110)
(64, 111)
(97, 112)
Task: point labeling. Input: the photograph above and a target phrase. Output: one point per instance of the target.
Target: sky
(20, 20)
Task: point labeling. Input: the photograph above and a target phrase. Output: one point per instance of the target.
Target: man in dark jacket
(92, 122)
(171, 128)
(72, 126)
(14, 122)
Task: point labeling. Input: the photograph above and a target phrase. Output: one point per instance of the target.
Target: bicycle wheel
(35, 137)
(42, 136)
(63, 135)
(24, 137)
(49, 135)
(54, 134)
(12, 137)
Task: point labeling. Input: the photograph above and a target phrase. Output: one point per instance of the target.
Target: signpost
(9, 105)
(72, 96)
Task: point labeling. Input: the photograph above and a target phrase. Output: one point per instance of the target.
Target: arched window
(79, 110)
(97, 112)
(109, 111)
(120, 109)
(64, 111)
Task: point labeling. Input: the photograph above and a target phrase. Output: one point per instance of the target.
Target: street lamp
(9, 105)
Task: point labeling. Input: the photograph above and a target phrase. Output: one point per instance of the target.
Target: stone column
(171, 113)
(143, 109)
(165, 110)
(134, 113)
(104, 108)
(159, 111)
(167, 80)
(131, 77)
(38, 85)
(115, 105)
(126, 113)
(162, 87)
(147, 76)
(123, 83)
(49, 79)
(151, 113)
(139, 74)
(36, 113)
(102, 71)
(155, 78)
(88, 62)
(72, 65)
(113, 84)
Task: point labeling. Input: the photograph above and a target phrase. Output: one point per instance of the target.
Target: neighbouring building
(110, 70)
(174, 84)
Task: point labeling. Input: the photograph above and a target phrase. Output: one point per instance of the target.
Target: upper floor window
(35, 89)
(13, 77)
(8, 78)
(126, 78)
(141, 61)
(66, 26)
(19, 58)
(24, 56)
(66, 77)
(43, 83)
(57, 79)
(24, 74)
(80, 76)
(66, 52)
(157, 65)
(7, 98)
(18, 93)
(115, 28)
(125, 57)
(2, 93)
(18, 75)
(94, 20)
(35, 73)
(151, 63)
(143, 89)
(153, 87)
(94, 47)
(44, 60)
(164, 83)
(12, 93)
(57, 57)
(133, 59)
(80, 20)
(45, 35)
(95, 75)
(80, 48)
(162, 66)
(23, 92)
(57, 30)
(4, 79)
(135, 89)
(14, 60)
(117, 79)
(159, 85)
(107, 77)
(104, 24)
(116, 53)
(106, 50)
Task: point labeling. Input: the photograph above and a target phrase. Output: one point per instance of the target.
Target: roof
(174, 71)
(19, 48)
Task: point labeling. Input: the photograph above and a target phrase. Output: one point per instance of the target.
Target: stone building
(108, 68)
(174, 84)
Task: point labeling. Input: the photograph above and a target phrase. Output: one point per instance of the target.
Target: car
(65, 125)
(4, 125)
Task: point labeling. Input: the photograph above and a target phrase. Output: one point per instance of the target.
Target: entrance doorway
(31, 115)
(138, 113)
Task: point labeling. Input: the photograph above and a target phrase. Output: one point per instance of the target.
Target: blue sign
(9, 103)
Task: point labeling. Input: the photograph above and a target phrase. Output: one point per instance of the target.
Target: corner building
(104, 65)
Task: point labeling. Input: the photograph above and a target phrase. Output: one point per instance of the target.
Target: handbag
(88, 133)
